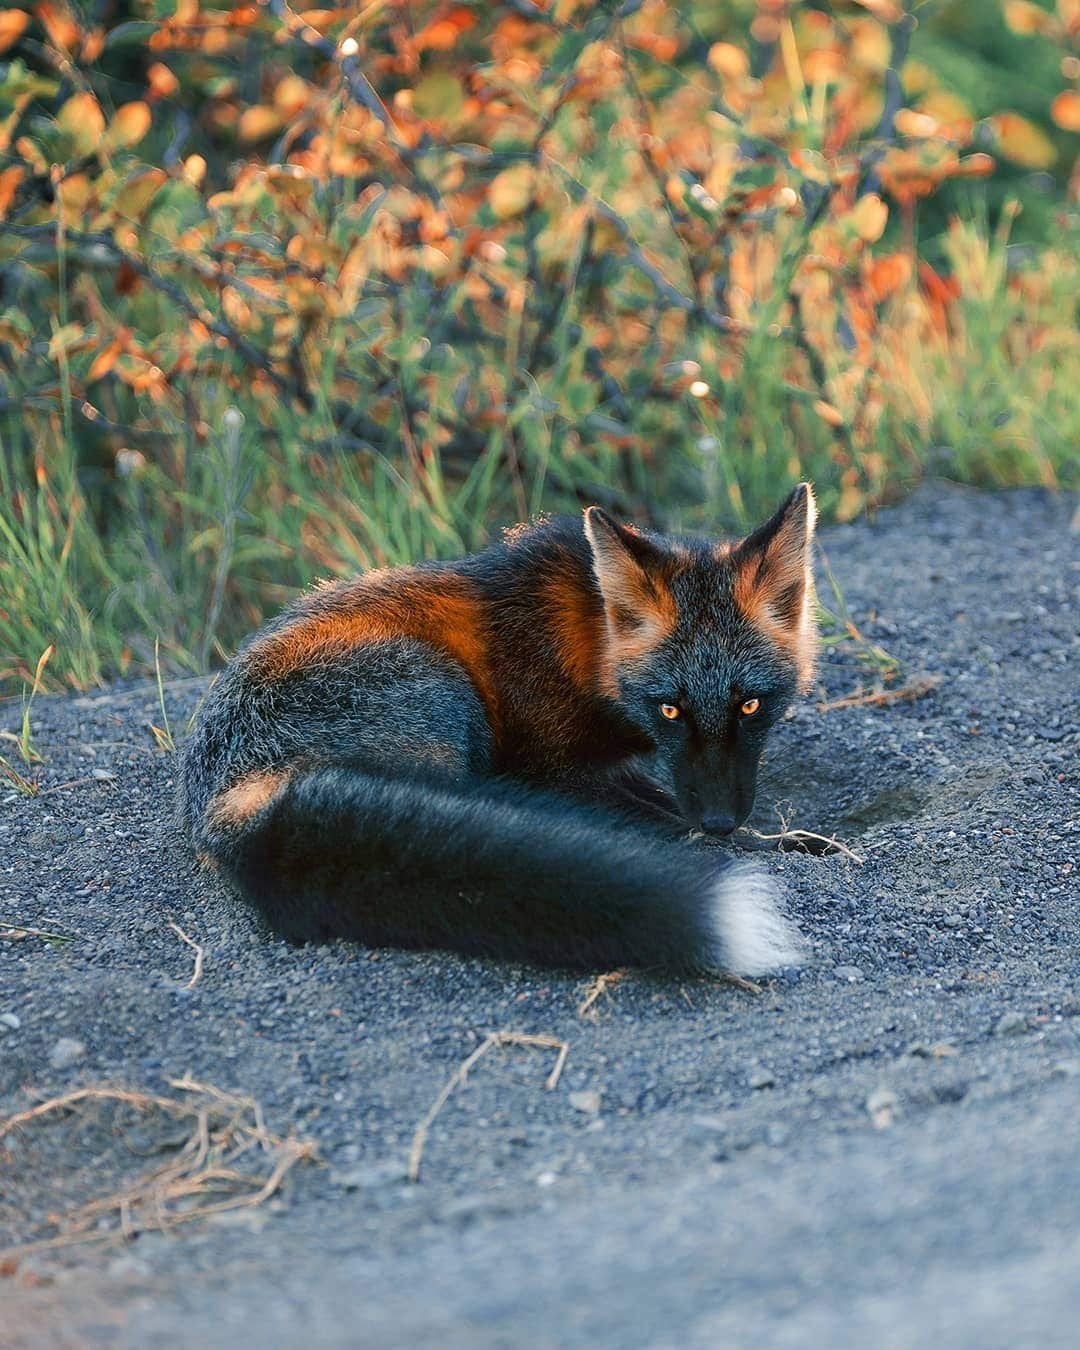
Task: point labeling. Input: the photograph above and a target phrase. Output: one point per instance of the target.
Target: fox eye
(750, 707)
(671, 711)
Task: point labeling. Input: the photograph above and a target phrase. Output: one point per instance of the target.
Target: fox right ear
(774, 583)
(630, 573)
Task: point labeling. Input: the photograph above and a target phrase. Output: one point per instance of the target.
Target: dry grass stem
(62, 787)
(806, 836)
(203, 1178)
(595, 989)
(458, 1077)
(15, 932)
(917, 687)
(739, 982)
(195, 948)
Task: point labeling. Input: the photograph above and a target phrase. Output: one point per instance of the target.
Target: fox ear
(629, 570)
(774, 581)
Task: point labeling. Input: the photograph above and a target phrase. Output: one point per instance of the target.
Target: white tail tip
(753, 936)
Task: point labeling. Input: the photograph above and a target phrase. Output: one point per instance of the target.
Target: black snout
(721, 823)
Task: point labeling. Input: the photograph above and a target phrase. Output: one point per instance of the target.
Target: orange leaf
(258, 123)
(161, 82)
(291, 94)
(10, 179)
(869, 216)
(62, 29)
(511, 191)
(1022, 141)
(888, 274)
(103, 362)
(1065, 110)
(729, 61)
(442, 34)
(129, 125)
(12, 26)
(1024, 17)
(975, 166)
(942, 289)
(888, 11)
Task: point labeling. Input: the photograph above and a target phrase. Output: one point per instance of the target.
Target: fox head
(706, 646)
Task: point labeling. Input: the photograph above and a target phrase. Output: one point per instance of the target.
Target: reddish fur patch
(438, 608)
(634, 579)
(655, 615)
(754, 599)
(577, 628)
(245, 798)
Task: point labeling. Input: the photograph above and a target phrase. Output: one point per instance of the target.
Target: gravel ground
(878, 1149)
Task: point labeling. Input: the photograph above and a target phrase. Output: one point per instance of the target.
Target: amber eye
(670, 711)
(750, 707)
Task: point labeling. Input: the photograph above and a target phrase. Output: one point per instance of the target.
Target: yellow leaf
(511, 191)
(1024, 17)
(828, 413)
(129, 125)
(1065, 110)
(12, 26)
(439, 96)
(194, 169)
(82, 119)
(888, 11)
(869, 216)
(135, 195)
(918, 125)
(291, 95)
(63, 339)
(1022, 141)
(259, 123)
(729, 61)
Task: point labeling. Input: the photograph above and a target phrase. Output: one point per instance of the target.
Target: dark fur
(434, 803)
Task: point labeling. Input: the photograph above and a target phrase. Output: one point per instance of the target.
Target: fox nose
(721, 823)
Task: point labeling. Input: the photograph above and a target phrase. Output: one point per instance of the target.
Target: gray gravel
(880, 1149)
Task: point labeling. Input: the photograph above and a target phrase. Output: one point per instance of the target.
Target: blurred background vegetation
(290, 291)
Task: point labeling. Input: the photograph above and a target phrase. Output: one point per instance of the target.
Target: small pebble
(369, 1176)
(761, 1078)
(882, 1106)
(1011, 1024)
(587, 1102)
(10, 1021)
(66, 1052)
(852, 974)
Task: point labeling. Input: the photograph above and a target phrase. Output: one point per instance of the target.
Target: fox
(512, 754)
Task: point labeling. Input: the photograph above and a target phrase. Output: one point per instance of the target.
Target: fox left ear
(774, 580)
(632, 573)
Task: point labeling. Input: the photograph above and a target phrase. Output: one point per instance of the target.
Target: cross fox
(496, 754)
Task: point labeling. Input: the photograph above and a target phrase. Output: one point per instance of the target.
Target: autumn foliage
(290, 290)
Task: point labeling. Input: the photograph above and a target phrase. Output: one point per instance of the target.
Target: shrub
(295, 291)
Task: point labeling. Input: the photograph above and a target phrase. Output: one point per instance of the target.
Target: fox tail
(498, 870)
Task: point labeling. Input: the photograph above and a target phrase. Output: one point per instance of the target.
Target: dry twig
(15, 932)
(195, 948)
(916, 687)
(595, 988)
(804, 836)
(224, 1129)
(461, 1073)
